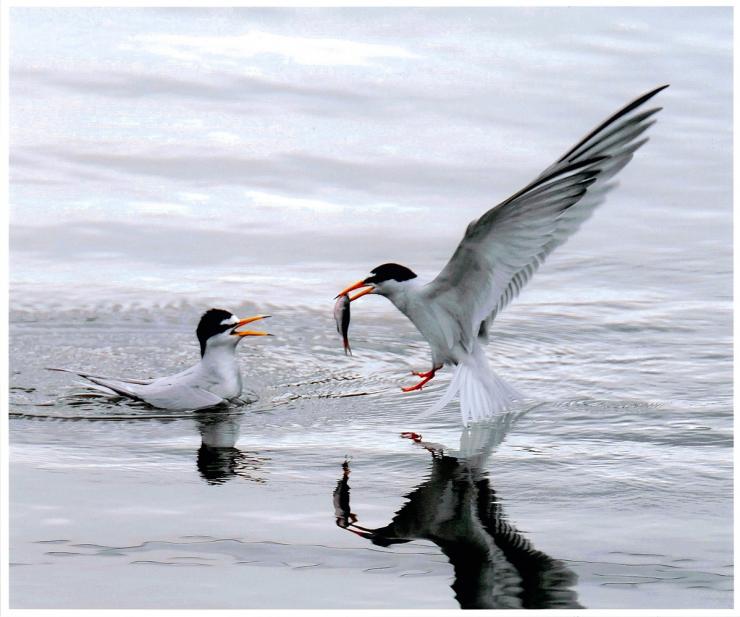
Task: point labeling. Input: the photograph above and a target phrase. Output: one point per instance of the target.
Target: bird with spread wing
(498, 255)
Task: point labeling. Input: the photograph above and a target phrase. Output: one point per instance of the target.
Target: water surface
(167, 161)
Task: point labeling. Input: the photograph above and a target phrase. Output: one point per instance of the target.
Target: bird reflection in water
(495, 566)
(219, 460)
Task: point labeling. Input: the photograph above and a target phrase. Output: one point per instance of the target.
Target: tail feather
(483, 394)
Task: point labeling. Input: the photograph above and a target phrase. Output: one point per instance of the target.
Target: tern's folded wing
(503, 248)
(163, 395)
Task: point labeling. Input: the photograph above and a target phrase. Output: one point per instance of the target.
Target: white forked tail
(482, 392)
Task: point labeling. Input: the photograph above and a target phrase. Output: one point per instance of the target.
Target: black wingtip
(613, 118)
(637, 102)
(652, 93)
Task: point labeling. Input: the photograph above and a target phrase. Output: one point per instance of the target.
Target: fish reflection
(219, 460)
(495, 566)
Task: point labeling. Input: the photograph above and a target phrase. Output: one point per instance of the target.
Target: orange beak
(345, 292)
(246, 320)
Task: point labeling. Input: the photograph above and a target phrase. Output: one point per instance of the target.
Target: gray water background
(166, 161)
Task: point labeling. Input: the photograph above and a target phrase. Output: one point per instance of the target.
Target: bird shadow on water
(218, 459)
(457, 508)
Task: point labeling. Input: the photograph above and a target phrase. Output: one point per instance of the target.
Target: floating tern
(498, 255)
(214, 380)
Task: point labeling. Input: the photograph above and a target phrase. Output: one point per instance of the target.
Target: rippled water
(611, 486)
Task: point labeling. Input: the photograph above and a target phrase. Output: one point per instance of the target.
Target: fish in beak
(341, 309)
(245, 321)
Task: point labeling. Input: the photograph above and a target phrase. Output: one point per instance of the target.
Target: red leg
(426, 378)
(411, 435)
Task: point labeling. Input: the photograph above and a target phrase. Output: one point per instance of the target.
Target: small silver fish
(341, 316)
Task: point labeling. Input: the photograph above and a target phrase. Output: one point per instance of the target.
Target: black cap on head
(390, 272)
(210, 325)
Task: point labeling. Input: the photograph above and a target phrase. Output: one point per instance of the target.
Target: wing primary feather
(613, 118)
(622, 138)
(540, 180)
(635, 120)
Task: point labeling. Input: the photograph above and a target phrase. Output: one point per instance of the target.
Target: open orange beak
(245, 321)
(345, 292)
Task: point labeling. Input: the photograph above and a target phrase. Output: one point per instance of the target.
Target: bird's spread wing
(503, 248)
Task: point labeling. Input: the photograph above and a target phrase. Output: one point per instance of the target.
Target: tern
(497, 256)
(214, 380)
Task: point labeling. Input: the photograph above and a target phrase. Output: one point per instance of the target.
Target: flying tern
(214, 380)
(497, 256)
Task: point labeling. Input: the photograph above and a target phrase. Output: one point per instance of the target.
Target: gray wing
(164, 393)
(503, 248)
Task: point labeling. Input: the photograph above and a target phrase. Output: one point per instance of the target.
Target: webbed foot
(426, 378)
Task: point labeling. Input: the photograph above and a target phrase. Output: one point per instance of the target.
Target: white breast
(218, 372)
(436, 326)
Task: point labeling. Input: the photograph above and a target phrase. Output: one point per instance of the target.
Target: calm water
(167, 161)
